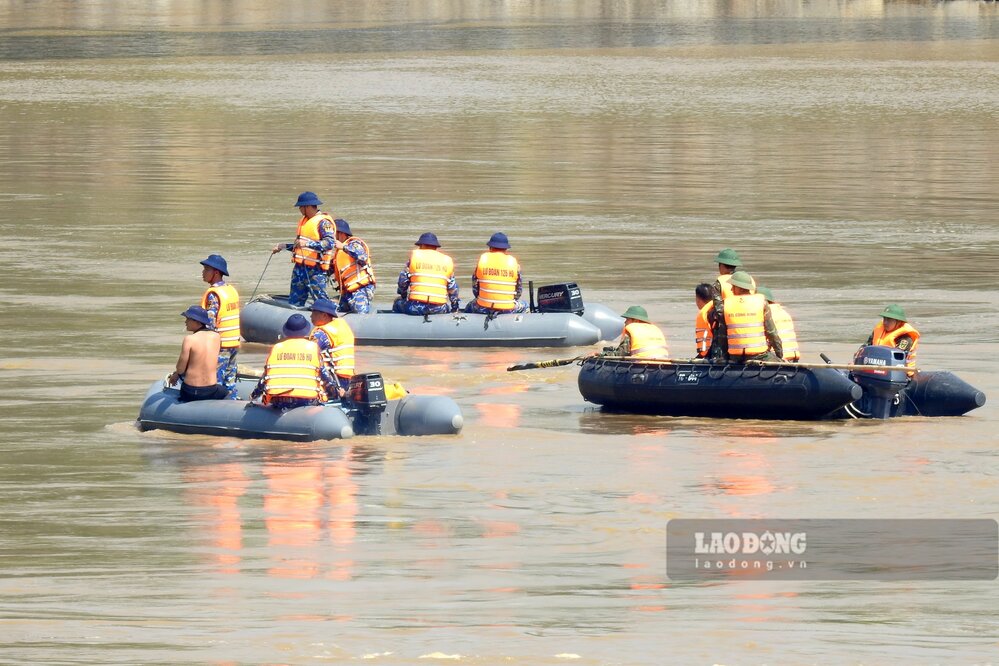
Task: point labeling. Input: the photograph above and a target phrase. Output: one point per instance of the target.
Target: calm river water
(847, 149)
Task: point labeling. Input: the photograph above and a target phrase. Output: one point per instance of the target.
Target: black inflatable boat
(775, 391)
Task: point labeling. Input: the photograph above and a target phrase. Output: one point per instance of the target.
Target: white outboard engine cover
(883, 382)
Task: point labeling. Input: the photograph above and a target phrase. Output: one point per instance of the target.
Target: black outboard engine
(565, 297)
(366, 395)
(883, 382)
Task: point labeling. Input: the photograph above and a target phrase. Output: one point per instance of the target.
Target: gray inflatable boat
(558, 320)
(367, 412)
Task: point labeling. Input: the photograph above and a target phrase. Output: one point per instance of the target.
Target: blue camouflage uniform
(405, 306)
(227, 367)
(279, 402)
(520, 306)
(331, 380)
(358, 301)
(309, 282)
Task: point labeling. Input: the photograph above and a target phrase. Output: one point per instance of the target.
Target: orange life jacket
(744, 322)
(726, 288)
(341, 354)
(497, 274)
(348, 273)
(308, 229)
(890, 338)
(785, 331)
(646, 340)
(702, 330)
(227, 318)
(292, 371)
(429, 272)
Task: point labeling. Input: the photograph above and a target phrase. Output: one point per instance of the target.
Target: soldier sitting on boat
(427, 284)
(894, 330)
(742, 325)
(641, 338)
(785, 326)
(336, 346)
(496, 282)
(294, 374)
(703, 298)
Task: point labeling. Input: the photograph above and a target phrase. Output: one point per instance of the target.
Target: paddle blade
(544, 364)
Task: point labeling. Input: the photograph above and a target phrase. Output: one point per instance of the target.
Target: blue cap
(217, 262)
(428, 238)
(342, 226)
(198, 314)
(308, 199)
(297, 326)
(324, 305)
(499, 241)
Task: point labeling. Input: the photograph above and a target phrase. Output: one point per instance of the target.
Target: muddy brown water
(846, 149)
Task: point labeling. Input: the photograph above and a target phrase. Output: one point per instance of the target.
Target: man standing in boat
(785, 326)
(336, 346)
(427, 284)
(312, 251)
(352, 270)
(496, 282)
(743, 328)
(197, 365)
(728, 263)
(896, 331)
(293, 375)
(703, 298)
(641, 338)
(221, 301)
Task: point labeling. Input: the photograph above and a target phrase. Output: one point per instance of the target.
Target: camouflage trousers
(418, 308)
(332, 392)
(227, 370)
(307, 284)
(357, 301)
(474, 307)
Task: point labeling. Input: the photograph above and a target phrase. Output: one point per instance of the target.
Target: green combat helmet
(729, 257)
(767, 294)
(637, 312)
(741, 279)
(894, 312)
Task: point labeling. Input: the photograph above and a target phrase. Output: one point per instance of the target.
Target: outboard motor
(883, 382)
(366, 394)
(565, 297)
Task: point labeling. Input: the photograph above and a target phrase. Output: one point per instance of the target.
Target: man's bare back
(198, 362)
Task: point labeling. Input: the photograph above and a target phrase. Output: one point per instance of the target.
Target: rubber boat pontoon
(558, 320)
(779, 391)
(367, 412)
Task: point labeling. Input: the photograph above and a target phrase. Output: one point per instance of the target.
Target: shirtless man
(197, 365)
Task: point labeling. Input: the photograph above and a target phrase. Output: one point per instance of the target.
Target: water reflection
(216, 489)
(308, 504)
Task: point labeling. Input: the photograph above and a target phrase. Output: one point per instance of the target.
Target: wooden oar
(773, 364)
(545, 364)
(838, 366)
